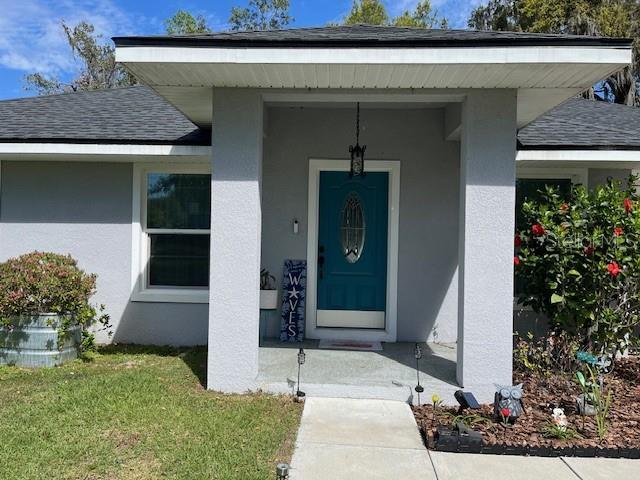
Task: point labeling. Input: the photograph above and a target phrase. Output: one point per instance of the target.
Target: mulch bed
(541, 395)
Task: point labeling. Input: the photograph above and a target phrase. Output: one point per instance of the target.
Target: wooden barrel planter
(32, 341)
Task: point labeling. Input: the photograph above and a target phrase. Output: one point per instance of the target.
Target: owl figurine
(508, 397)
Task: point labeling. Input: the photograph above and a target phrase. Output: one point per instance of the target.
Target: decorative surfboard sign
(294, 283)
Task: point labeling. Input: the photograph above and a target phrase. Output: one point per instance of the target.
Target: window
(174, 234)
(529, 184)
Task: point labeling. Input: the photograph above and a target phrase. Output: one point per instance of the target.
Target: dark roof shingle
(368, 36)
(583, 124)
(134, 115)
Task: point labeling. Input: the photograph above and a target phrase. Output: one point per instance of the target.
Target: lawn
(137, 413)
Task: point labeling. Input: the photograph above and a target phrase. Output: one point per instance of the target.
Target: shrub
(579, 262)
(41, 282)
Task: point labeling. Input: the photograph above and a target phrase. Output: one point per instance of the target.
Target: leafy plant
(42, 282)
(267, 281)
(553, 430)
(547, 355)
(578, 259)
(468, 419)
(595, 393)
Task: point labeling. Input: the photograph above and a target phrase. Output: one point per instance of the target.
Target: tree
(578, 260)
(98, 71)
(373, 12)
(422, 17)
(261, 15)
(183, 23)
(615, 18)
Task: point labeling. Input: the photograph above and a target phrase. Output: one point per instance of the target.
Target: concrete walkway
(378, 439)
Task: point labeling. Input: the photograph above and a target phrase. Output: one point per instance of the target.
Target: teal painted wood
(32, 342)
(360, 284)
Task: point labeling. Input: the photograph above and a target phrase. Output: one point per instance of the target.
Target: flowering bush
(42, 282)
(579, 262)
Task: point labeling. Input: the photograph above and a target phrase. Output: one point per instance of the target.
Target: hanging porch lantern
(357, 151)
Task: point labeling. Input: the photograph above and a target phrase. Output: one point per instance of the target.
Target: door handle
(320, 261)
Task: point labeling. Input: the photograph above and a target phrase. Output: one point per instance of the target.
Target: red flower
(517, 241)
(617, 231)
(505, 412)
(537, 230)
(516, 261)
(614, 269)
(564, 207)
(628, 205)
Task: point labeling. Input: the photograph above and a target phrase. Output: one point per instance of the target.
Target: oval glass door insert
(353, 228)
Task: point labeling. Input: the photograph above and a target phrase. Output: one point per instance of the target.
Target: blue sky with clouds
(31, 39)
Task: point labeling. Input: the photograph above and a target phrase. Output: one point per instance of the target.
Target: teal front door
(352, 250)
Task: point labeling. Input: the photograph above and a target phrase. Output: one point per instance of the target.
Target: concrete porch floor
(389, 374)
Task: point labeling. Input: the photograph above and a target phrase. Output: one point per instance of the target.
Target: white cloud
(32, 40)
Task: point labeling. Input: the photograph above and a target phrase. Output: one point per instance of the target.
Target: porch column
(234, 298)
(487, 205)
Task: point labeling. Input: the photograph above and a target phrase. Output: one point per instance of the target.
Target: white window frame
(140, 291)
(575, 174)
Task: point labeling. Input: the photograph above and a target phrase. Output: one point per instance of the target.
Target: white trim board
(578, 155)
(377, 56)
(91, 149)
(389, 334)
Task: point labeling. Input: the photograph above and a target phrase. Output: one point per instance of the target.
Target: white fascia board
(578, 156)
(81, 149)
(377, 56)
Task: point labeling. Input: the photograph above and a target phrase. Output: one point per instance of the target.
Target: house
(235, 156)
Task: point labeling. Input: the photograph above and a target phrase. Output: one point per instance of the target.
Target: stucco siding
(84, 209)
(428, 239)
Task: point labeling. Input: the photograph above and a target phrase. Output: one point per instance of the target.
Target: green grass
(137, 413)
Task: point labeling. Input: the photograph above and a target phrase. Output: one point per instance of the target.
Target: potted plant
(268, 291)
(45, 312)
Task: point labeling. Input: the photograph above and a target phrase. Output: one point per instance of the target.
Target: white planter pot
(268, 299)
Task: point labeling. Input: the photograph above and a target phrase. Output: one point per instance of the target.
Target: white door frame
(389, 334)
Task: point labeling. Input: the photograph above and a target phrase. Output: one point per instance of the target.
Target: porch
(388, 374)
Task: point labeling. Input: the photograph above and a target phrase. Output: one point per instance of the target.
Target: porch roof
(545, 69)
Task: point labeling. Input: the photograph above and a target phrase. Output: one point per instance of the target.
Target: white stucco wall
(427, 279)
(84, 209)
(487, 205)
(234, 296)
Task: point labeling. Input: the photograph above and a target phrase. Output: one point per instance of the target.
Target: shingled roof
(138, 115)
(580, 124)
(134, 115)
(368, 36)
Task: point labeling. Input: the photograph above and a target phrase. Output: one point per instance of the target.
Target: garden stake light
(282, 471)
(418, 355)
(301, 358)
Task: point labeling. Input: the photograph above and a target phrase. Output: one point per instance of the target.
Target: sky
(31, 39)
